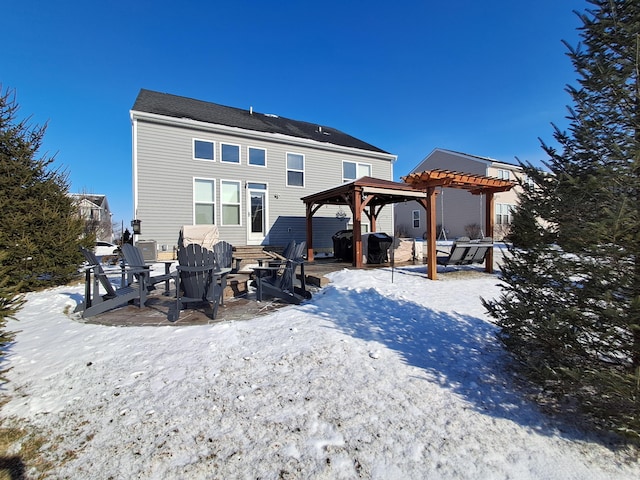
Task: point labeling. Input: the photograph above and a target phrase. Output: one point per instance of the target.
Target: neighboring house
(196, 162)
(460, 213)
(94, 210)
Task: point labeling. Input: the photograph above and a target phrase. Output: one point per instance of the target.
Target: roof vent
(251, 110)
(272, 115)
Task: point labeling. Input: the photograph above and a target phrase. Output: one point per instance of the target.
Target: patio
(239, 302)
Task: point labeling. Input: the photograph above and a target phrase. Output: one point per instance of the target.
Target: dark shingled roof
(181, 107)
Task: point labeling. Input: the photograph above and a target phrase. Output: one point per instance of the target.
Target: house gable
(464, 162)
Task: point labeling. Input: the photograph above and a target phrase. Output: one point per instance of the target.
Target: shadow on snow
(459, 352)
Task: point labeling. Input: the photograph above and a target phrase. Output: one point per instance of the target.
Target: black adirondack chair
(138, 269)
(223, 252)
(279, 278)
(96, 302)
(200, 278)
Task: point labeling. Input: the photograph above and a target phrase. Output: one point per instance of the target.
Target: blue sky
(482, 77)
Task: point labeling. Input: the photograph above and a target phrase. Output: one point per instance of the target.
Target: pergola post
(432, 265)
(372, 218)
(489, 216)
(309, 232)
(357, 227)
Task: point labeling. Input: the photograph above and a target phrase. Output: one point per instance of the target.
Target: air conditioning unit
(149, 250)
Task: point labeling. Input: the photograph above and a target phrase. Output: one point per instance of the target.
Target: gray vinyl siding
(166, 169)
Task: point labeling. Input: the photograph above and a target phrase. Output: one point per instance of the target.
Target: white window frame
(503, 210)
(213, 149)
(358, 165)
(364, 227)
(249, 157)
(238, 204)
(415, 217)
(196, 202)
(222, 160)
(294, 169)
(504, 174)
(529, 182)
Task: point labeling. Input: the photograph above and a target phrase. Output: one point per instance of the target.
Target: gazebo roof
(476, 184)
(382, 192)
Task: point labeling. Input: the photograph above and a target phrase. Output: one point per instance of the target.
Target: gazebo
(364, 196)
(367, 195)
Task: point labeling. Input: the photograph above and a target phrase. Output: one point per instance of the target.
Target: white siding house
(197, 162)
(459, 212)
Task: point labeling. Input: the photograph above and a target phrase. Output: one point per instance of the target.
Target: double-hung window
(354, 170)
(416, 218)
(528, 182)
(257, 156)
(229, 153)
(203, 150)
(204, 195)
(295, 170)
(230, 200)
(504, 174)
(503, 213)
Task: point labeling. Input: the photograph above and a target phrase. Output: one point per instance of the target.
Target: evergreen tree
(570, 309)
(39, 226)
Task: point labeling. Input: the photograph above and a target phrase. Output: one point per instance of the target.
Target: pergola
(428, 181)
(368, 195)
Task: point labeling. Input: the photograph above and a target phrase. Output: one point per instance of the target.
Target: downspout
(134, 165)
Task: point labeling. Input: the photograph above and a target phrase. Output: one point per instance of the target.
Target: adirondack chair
(279, 278)
(277, 262)
(138, 269)
(223, 252)
(286, 254)
(95, 302)
(199, 279)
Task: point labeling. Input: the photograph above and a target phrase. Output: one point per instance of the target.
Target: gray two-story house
(198, 163)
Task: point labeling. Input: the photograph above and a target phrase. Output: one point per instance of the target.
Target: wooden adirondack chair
(95, 302)
(138, 269)
(200, 279)
(279, 278)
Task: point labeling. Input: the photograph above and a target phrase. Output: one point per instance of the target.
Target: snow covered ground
(369, 379)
